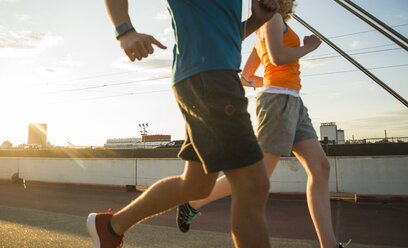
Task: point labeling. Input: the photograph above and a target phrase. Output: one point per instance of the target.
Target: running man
(219, 135)
(283, 122)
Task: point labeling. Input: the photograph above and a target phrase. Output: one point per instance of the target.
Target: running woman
(284, 125)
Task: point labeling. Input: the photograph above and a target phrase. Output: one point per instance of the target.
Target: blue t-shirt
(207, 35)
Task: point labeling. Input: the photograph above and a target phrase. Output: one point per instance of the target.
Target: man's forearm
(249, 26)
(262, 11)
(118, 11)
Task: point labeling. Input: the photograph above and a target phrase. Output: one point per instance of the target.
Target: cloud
(26, 62)
(360, 84)
(51, 70)
(166, 36)
(163, 16)
(168, 30)
(162, 38)
(403, 16)
(26, 43)
(335, 95)
(156, 64)
(59, 67)
(28, 40)
(23, 17)
(355, 44)
(66, 63)
(313, 63)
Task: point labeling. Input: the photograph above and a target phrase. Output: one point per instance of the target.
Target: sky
(60, 64)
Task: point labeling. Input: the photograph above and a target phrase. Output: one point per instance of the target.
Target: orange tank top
(286, 76)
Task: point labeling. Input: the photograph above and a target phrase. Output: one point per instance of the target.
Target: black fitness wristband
(123, 29)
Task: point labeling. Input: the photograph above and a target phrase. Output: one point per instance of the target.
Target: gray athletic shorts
(219, 131)
(282, 121)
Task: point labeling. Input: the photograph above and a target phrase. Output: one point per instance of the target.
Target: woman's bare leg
(312, 157)
(222, 187)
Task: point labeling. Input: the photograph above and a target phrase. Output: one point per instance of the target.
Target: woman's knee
(321, 172)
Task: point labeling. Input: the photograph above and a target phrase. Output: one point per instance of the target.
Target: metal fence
(378, 140)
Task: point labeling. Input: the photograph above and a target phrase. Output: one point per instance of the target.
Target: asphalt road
(54, 216)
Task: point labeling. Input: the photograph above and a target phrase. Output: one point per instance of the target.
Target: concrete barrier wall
(8, 167)
(373, 175)
(84, 171)
(150, 171)
(382, 175)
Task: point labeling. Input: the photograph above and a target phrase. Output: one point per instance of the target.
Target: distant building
(340, 137)
(156, 138)
(329, 133)
(37, 135)
(6, 145)
(124, 143)
(147, 141)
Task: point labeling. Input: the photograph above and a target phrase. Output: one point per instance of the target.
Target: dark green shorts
(219, 132)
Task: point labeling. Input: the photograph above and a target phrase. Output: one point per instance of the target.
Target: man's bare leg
(250, 187)
(222, 187)
(164, 195)
(312, 157)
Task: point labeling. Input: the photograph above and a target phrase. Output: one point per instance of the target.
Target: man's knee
(253, 194)
(195, 184)
(200, 191)
(258, 187)
(197, 189)
(250, 183)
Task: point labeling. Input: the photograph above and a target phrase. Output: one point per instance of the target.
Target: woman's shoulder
(277, 20)
(277, 17)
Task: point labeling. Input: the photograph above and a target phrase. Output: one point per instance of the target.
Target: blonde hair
(286, 8)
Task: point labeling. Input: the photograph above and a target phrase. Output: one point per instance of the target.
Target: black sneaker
(185, 214)
(341, 245)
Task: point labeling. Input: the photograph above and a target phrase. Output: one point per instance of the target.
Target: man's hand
(138, 45)
(312, 42)
(263, 10)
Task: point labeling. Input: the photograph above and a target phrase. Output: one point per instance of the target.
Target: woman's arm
(279, 54)
(250, 68)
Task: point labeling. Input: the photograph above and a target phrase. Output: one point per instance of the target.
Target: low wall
(373, 175)
(379, 175)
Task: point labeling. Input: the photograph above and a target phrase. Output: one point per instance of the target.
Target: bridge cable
(351, 60)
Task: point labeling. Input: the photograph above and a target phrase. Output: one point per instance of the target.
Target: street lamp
(143, 132)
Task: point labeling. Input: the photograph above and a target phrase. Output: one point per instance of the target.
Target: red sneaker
(97, 225)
